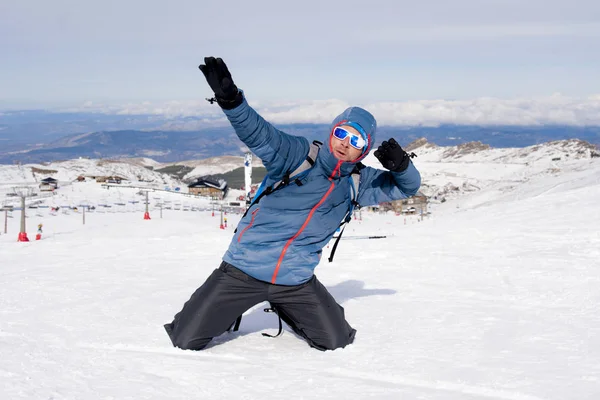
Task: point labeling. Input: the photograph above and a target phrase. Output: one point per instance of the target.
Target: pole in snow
(23, 231)
(83, 206)
(6, 209)
(222, 226)
(23, 192)
(147, 213)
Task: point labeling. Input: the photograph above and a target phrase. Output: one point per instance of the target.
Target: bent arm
(280, 152)
(378, 186)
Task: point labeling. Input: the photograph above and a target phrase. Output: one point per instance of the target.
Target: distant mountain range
(33, 137)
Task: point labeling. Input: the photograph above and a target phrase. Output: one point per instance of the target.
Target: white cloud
(552, 110)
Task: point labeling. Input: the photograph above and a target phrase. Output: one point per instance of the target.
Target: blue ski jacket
(280, 240)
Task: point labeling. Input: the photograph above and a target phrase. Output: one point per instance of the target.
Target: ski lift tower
(248, 177)
(84, 204)
(160, 204)
(6, 209)
(23, 192)
(147, 202)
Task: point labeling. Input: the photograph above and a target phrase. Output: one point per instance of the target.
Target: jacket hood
(364, 122)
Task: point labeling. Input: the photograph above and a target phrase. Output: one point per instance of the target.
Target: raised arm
(378, 186)
(280, 152)
(401, 181)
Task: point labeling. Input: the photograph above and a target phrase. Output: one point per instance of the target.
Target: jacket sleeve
(279, 151)
(378, 186)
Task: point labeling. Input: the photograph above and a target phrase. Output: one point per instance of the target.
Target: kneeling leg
(213, 307)
(312, 312)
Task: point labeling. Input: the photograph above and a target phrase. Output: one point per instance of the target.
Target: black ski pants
(308, 309)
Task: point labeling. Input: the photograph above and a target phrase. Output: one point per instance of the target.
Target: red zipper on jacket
(310, 215)
(249, 225)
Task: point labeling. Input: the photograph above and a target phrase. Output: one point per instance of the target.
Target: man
(279, 241)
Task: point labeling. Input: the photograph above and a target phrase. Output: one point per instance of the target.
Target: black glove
(219, 79)
(392, 156)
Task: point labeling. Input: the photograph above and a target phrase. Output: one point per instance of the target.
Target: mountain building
(48, 185)
(215, 189)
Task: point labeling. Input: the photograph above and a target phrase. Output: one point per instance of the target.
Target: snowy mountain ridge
(452, 171)
(68, 171)
(473, 151)
(447, 171)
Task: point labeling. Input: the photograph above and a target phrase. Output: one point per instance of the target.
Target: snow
(493, 296)
(501, 169)
(68, 171)
(143, 161)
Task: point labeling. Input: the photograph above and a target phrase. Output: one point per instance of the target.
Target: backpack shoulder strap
(307, 164)
(311, 157)
(355, 183)
(354, 179)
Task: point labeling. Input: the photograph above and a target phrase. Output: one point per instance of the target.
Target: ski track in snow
(388, 380)
(166, 351)
(482, 392)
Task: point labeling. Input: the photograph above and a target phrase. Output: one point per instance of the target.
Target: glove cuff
(230, 104)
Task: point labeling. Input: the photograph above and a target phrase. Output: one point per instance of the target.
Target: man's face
(342, 149)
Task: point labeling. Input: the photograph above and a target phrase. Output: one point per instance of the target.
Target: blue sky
(58, 53)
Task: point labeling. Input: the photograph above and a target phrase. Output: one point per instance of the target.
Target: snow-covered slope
(451, 172)
(496, 301)
(68, 171)
(143, 161)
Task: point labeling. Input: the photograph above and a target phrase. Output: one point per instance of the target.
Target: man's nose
(346, 142)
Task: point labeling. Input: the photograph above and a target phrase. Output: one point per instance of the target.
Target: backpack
(301, 171)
